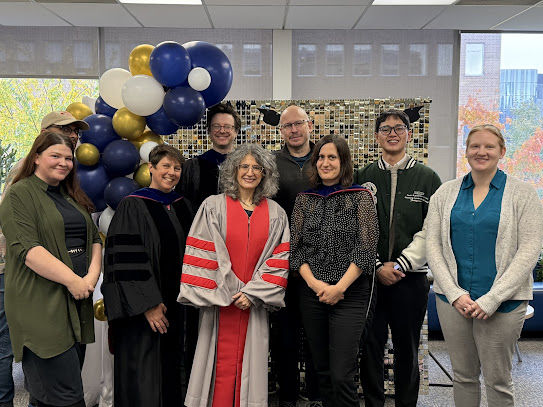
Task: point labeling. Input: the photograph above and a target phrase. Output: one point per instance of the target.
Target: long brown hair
(346, 162)
(71, 183)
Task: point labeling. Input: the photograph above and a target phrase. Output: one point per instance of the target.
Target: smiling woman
(235, 271)
(144, 249)
(484, 237)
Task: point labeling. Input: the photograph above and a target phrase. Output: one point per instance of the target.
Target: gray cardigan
(518, 244)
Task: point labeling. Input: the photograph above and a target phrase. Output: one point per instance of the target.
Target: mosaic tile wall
(355, 119)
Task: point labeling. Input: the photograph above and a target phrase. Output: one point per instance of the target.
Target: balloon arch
(167, 87)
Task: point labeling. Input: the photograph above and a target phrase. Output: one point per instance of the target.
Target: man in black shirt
(200, 175)
(292, 163)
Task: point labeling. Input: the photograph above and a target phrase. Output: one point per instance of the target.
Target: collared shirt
(473, 238)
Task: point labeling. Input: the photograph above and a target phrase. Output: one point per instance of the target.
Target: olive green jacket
(41, 314)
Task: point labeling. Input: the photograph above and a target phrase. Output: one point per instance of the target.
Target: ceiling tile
(473, 17)
(330, 2)
(323, 17)
(28, 14)
(530, 20)
(398, 17)
(250, 17)
(175, 16)
(94, 15)
(245, 2)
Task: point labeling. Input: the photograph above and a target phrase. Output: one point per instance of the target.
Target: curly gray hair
(228, 180)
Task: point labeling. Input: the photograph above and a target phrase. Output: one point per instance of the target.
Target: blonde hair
(491, 128)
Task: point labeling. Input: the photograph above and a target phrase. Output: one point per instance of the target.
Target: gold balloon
(127, 124)
(87, 154)
(79, 110)
(99, 310)
(145, 137)
(142, 175)
(138, 61)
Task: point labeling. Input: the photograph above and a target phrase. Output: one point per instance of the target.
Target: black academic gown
(144, 253)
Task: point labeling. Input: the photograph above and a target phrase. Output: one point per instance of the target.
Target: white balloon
(143, 95)
(90, 102)
(111, 85)
(199, 79)
(145, 149)
(105, 220)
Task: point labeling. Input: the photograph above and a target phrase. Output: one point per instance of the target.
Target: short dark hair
(346, 162)
(398, 114)
(225, 108)
(165, 150)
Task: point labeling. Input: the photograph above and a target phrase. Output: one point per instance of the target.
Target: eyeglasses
(297, 124)
(66, 130)
(257, 169)
(399, 129)
(218, 127)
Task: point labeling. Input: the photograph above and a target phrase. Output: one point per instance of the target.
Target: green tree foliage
(7, 161)
(24, 102)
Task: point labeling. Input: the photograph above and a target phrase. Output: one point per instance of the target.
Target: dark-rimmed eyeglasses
(399, 129)
(257, 169)
(297, 124)
(218, 127)
(66, 130)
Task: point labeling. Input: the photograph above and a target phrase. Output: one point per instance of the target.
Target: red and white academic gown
(228, 252)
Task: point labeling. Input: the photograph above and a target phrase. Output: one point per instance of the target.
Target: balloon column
(166, 87)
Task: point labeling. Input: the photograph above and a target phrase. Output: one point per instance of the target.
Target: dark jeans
(402, 306)
(287, 349)
(334, 333)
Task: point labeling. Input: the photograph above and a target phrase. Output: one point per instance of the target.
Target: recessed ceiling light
(162, 1)
(412, 2)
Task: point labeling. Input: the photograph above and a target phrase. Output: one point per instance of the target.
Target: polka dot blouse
(331, 232)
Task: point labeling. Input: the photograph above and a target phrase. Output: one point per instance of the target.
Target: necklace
(245, 203)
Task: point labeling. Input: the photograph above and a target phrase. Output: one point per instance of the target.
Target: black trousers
(334, 333)
(401, 306)
(287, 348)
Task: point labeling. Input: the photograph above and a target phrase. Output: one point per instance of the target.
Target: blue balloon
(102, 107)
(184, 106)
(93, 180)
(170, 63)
(120, 158)
(101, 131)
(208, 56)
(117, 189)
(160, 123)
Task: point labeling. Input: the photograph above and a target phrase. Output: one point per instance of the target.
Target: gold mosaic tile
(354, 119)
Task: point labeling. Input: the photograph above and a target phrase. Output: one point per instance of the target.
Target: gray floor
(527, 376)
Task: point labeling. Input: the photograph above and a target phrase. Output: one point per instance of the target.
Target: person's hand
(463, 304)
(318, 286)
(156, 317)
(330, 294)
(79, 288)
(91, 280)
(388, 275)
(476, 312)
(241, 301)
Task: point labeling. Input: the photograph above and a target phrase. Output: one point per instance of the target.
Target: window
(362, 63)
(335, 58)
(228, 50)
(474, 60)
(307, 60)
(390, 60)
(417, 60)
(444, 59)
(252, 59)
(83, 55)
